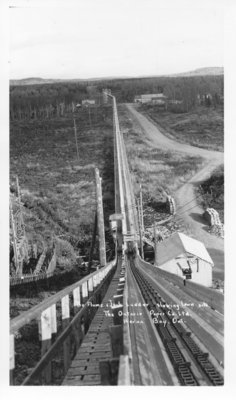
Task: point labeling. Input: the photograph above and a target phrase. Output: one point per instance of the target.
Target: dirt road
(191, 213)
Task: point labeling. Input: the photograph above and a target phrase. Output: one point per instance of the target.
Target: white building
(88, 102)
(181, 255)
(154, 98)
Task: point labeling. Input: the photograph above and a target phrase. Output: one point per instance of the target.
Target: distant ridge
(32, 81)
(202, 71)
(197, 72)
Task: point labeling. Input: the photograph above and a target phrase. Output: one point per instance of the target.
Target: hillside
(203, 72)
(197, 72)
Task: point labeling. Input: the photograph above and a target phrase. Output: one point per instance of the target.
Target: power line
(189, 201)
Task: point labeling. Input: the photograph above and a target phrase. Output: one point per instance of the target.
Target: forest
(56, 99)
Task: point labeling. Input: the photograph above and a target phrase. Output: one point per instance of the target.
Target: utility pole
(100, 217)
(90, 123)
(140, 231)
(141, 209)
(155, 242)
(18, 189)
(77, 150)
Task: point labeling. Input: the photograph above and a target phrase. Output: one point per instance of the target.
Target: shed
(182, 255)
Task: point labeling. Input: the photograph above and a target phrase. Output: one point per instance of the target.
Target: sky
(100, 38)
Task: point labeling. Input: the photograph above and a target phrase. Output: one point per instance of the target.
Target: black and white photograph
(116, 255)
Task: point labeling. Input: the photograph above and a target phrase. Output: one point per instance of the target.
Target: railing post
(95, 281)
(76, 298)
(90, 285)
(45, 335)
(100, 216)
(84, 292)
(12, 358)
(53, 319)
(65, 308)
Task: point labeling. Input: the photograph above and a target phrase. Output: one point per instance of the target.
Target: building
(155, 98)
(183, 256)
(88, 103)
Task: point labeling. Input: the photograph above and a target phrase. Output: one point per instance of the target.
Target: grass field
(202, 127)
(58, 190)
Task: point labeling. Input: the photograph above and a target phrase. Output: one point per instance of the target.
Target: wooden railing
(62, 320)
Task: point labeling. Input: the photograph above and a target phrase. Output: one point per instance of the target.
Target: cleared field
(202, 127)
(58, 189)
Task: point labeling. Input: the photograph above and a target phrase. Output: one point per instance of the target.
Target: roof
(178, 244)
(153, 95)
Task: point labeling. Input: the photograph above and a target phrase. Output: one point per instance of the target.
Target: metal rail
(161, 313)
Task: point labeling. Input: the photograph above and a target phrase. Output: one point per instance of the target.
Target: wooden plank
(117, 312)
(109, 371)
(116, 335)
(124, 376)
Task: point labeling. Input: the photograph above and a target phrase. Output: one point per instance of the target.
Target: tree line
(56, 99)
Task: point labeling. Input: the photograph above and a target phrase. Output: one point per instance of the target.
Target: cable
(189, 201)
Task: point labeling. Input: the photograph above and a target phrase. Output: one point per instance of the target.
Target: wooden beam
(124, 378)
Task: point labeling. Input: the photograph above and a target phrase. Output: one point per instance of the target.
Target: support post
(100, 216)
